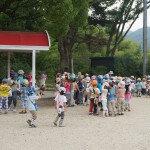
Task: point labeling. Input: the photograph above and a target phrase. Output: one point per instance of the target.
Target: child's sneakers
(23, 112)
(14, 110)
(31, 125)
(6, 112)
(55, 123)
(29, 122)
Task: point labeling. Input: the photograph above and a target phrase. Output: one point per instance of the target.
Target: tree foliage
(63, 21)
(129, 60)
(23, 15)
(74, 35)
(115, 15)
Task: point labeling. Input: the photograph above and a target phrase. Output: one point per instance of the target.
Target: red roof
(28, 39)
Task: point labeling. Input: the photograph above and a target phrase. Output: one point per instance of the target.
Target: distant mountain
(138, 36)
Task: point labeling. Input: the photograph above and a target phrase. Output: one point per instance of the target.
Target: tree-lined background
(79, 29)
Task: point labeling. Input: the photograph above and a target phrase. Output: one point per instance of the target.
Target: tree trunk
(113, 50)
(64, 55)
(65, 45)
(108, 50)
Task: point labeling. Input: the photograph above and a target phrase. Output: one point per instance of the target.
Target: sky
(139, 22)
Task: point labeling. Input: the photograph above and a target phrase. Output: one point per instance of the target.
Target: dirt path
(82, 132)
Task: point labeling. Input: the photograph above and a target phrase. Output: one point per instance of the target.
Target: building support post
(33, 67)
(8, 65)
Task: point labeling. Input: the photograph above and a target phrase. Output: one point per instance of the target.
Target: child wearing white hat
(60, 105)
(139, 87)
(121, 97)
(104, 100)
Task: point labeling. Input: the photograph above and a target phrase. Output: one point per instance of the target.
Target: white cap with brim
(58, 80)
(87, 79)
(121, 84)
(25, 82)
(110, 72)
(20, 72)
(62, 90)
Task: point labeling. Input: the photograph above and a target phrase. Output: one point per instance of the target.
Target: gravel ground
(81, 131)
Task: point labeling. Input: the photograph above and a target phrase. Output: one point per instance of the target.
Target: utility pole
(144, 36)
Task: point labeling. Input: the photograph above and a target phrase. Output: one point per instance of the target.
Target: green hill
(138, 36)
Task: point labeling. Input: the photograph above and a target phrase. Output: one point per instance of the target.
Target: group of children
(18, 86)
(106, 93)
(111, 93)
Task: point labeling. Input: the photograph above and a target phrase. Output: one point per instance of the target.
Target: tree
(22, 15)
(129, 57)
(94, 36)
(115, 17)
(64, 18)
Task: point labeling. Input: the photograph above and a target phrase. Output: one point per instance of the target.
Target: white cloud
(139, 22)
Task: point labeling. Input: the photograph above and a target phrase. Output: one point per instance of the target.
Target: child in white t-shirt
(104, 100)
(60, 105)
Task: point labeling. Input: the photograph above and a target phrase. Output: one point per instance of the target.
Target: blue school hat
(15, 75)
(103, 81)
(4, 80)
(99, 78)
